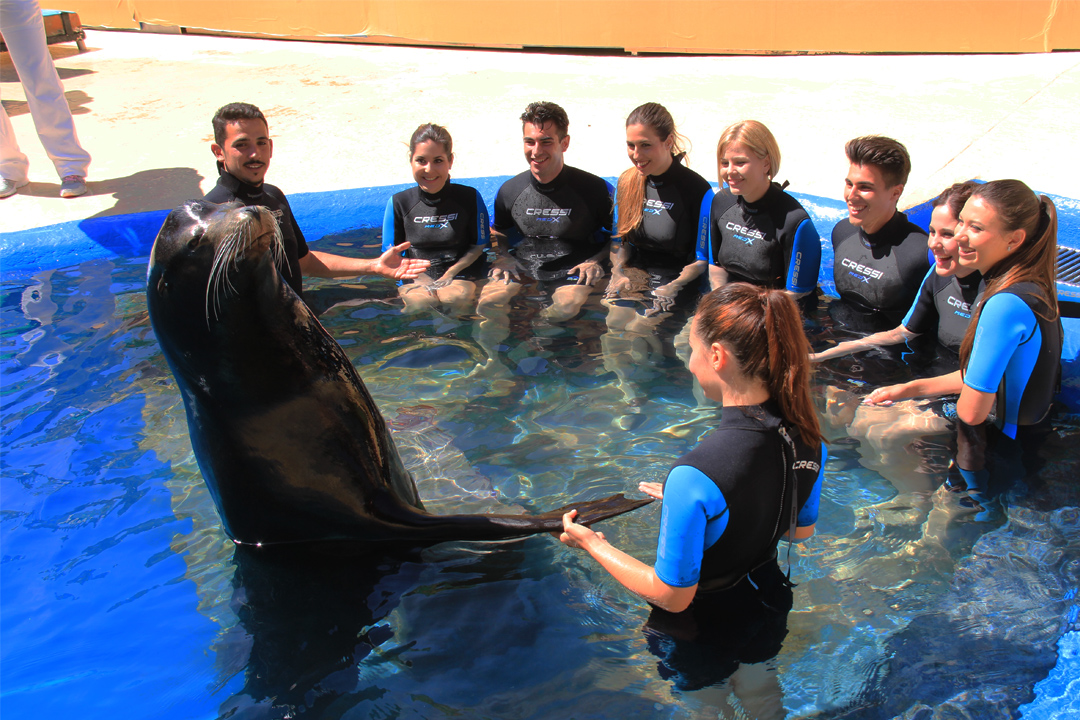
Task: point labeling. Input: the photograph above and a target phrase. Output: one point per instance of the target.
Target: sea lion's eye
(196, 238)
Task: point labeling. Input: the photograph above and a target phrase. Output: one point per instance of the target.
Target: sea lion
(291, 445)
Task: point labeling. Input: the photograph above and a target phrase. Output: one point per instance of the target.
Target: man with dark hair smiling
(880, 258)
(243, 148)
(552, 222)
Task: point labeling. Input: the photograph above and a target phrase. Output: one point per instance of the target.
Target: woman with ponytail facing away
(728, 502)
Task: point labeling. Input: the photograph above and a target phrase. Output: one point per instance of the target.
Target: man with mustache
(243, 148)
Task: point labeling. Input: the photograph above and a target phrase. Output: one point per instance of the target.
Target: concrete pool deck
(340, 114)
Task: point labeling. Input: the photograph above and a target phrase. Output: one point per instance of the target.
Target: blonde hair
(754, 135)
(630, 194)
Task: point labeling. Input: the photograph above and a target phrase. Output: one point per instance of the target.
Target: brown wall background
(682, 26)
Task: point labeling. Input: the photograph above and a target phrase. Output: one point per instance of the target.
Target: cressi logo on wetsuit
(770, 242)
(883, 271)
(745, 234)
(442, 227)
(655, 207)
(863, 272)
(435, 221)
(556, 226)
(961, 308)
(944, 304)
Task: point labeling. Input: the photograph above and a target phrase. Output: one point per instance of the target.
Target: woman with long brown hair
(662, 214)
(1010, 357)
(728, 501)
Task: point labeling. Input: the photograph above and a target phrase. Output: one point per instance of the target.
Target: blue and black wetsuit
(944, 305)
(674, 230)
(442, 227)
(726, 505)
(771, 242)
(230, 188)
(1016, 354)
(552, 228)
(880, 272)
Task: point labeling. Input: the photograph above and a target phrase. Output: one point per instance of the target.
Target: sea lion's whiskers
(231, 248)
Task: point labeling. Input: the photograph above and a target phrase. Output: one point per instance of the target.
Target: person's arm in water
(483, 240)
(634, 575)
(938, 385)
(620, 255)
(591, 271)
(463, 262)
(389, 265)
(666, 293)
(895, 336)
(505, 267)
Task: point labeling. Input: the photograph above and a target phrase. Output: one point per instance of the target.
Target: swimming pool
(123, 598)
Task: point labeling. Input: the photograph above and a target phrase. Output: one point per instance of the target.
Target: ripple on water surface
(116, 573)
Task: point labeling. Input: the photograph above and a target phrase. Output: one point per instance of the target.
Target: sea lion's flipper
(439, 528)
(593, 511)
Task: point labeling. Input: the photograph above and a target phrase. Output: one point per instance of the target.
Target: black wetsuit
(231, 188)
(880, 272)
(442, 227)
(944, 304)
(726, 504)
(674, 230)
(553, 227)
(1017, 355)
(770, 242)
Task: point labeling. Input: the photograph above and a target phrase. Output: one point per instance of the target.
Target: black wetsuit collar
(763, 202)
(238, 187)
(970, 281)
(659, 180)
(436, 197)
(891, 233)
(557, 182)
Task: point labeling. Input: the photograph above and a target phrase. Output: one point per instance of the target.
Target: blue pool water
(122, 597)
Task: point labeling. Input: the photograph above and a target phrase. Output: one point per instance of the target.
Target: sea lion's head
(206, 253)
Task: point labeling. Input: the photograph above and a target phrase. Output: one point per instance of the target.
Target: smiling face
(650, 154)
(982, 237)
(431, 166)
(942, 242)
(544, 150)
(744, 172)
(871, 202)
(246, 150)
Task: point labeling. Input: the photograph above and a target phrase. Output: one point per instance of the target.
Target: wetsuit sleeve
(703, 246)
(389, 238)
(1005, 323)
(605, 232)
(694, 516)
(301, 243)
(808, 513)
(804, 263)
(923, 316)
(483, 227)
(503, 221)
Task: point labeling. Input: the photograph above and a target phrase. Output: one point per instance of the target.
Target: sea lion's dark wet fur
(289, 441)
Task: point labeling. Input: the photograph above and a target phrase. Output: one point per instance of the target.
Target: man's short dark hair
(539, 113)
(889, 156)
(231, 113)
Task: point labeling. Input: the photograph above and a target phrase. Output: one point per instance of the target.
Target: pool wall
(321, 214)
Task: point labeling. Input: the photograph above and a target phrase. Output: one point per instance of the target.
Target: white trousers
(24, 35)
